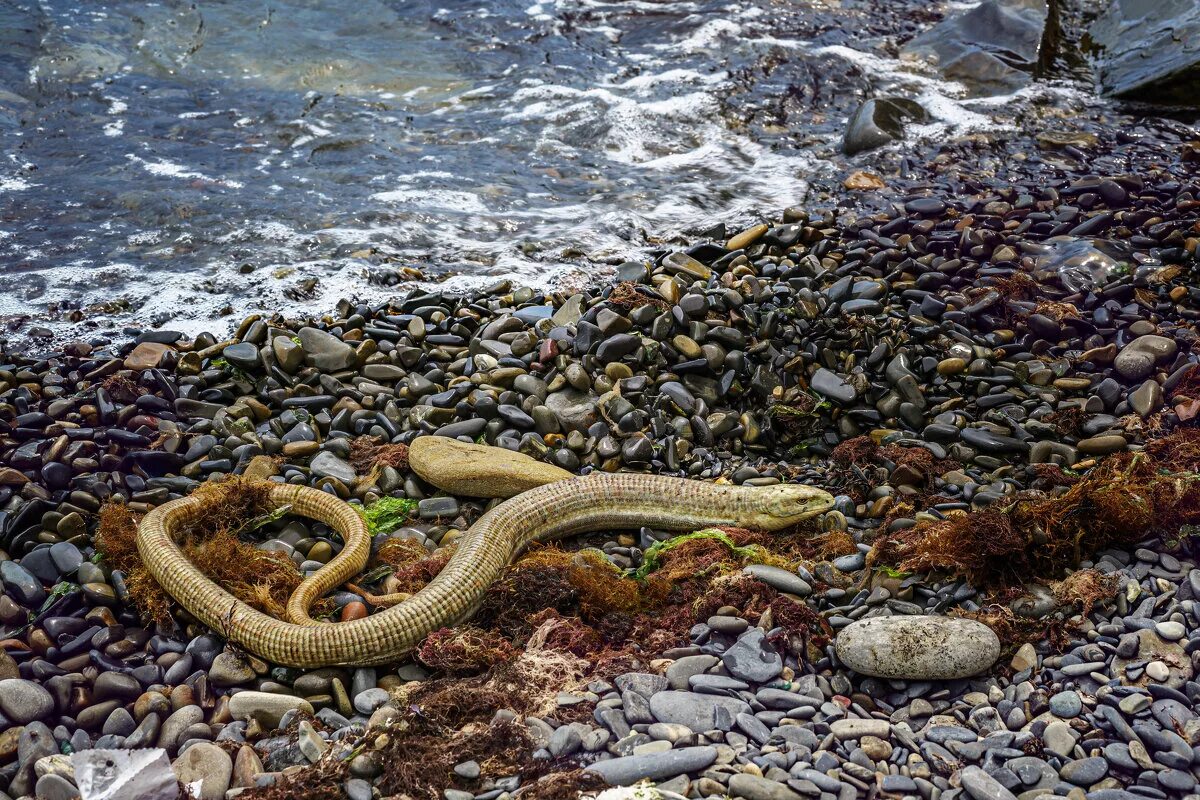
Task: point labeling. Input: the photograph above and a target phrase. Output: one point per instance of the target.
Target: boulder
(476, 470)
(1148, 50)
(919, 648)
(992, 48)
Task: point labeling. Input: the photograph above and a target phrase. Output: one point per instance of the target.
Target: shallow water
(170, 163)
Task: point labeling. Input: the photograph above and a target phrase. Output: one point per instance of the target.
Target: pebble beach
(984, 348)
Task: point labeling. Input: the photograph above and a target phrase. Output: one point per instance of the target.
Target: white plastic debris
(124, 775)
(642, 791)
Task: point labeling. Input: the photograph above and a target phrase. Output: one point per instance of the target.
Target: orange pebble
(355, 610)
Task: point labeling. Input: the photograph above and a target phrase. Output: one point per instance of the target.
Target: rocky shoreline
(936, 352)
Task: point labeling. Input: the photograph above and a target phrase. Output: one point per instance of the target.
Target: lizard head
(786, 504)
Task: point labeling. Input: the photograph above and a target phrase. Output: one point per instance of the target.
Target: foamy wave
(15, 184)
(163, 167)
(442, 199)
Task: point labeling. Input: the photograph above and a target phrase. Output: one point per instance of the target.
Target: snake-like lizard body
(596, 502)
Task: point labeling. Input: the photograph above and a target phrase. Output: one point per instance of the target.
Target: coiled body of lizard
(597, 502)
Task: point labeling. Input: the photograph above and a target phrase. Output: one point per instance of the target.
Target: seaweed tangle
(1123, 499)
(262, 579)
(652, 557)
(369, 454)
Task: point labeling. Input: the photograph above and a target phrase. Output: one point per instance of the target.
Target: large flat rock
(475, 470)
(1150, 50)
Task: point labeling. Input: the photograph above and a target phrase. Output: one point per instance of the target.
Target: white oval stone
(917, 647)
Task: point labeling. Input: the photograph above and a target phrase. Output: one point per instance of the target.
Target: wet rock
(325, 351)
(918, 647)
(1141, 56)
(288, 354)
(1102, 445)
(1146, 399)
(880, 121)
(575, 410)
(1137, 360)
(327, 465)
(833, 386)
(146, 355)
(21, 584)
(477, 470)
(243, 355)
(992, 47)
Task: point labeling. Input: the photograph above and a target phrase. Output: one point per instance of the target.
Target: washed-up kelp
(612, 618)
(260, 578)
(419, 750)
(852, 458)
(1124, 499)
(370, 453)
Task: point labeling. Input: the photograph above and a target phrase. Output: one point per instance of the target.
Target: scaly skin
(596, 502)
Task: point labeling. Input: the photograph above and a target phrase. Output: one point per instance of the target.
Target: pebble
(753, 787)
(1170, 630)
(23, 701)
(267, 707)
(1066, 705)
(982, 786)
(857, 728)
(631, 769)
(208, 764)
(779, 579)
(699, 712)
(752, 658)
